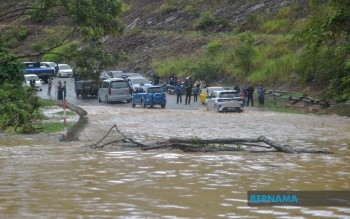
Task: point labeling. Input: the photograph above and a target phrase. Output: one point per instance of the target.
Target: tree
(86, 20)
(327, 46)
(245, 53)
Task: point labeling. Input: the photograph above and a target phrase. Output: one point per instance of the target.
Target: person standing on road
(188, 86)
(32, 83)
(250, 91)
(64, 89)
(59, 90)
(178, 91)
(261, 95)
(49, 83)
(195, 92)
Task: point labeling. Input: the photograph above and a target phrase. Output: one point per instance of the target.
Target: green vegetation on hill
(281, 50)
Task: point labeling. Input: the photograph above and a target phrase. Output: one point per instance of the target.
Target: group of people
(61, 89)
(190, 90)
(247, 93)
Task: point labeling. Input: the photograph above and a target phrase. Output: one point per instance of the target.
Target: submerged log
(197, 143)
(206, 145)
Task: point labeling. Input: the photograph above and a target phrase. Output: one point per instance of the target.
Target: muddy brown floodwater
(41, 177)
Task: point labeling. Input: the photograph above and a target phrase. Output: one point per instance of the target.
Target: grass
(46, 103)
(279, 106)
(68, 113)
(52, 127)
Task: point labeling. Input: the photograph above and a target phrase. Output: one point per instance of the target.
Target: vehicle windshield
(119, 84)
(65, 67)
(211, 89)
(139, 80)
(228, 94)
(31, 64)
(155, 90)
(115, 74)
(36, 78)
(52, 64)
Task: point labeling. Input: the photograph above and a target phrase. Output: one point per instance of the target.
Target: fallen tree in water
(196, 144)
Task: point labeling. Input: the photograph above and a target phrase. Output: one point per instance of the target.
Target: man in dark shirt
(188, 87)
(250, 91)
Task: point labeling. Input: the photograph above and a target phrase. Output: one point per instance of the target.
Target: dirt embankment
(156, 30)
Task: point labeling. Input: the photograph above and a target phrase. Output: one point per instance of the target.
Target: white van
(114, 90)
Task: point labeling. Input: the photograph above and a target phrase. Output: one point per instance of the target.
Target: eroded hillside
(155, 30)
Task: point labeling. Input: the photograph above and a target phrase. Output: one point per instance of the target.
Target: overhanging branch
(46, 51)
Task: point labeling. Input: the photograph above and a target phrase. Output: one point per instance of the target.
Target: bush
(214, 46)
(206, 19)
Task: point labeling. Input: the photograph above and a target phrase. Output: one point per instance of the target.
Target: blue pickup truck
(44, 73)
(149, 96)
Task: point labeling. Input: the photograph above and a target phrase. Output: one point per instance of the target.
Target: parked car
(51, 65)
(148, 96)
(86, 88)
(206, 92)
(38, 82)
(114, 90)
(64, 70)
(36, 69)
(137, 82)
(225, 101)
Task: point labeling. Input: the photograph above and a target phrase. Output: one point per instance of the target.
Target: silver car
(138, 81)
(114, 90)
(64, 70)
(225, 101)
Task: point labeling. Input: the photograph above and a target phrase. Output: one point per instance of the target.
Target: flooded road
(41, 177)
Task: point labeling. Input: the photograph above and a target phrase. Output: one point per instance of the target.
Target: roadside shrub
(205, 70)
(19, 109)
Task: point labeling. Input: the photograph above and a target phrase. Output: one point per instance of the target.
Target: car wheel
(143, 105)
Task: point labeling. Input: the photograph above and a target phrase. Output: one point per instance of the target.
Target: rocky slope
(157, 29)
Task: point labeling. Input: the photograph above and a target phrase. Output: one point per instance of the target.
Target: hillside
(218, 41)
(157, 30)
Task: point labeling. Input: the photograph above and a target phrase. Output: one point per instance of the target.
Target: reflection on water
(55, 180)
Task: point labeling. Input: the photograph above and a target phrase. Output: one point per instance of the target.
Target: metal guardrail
(297, 96)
